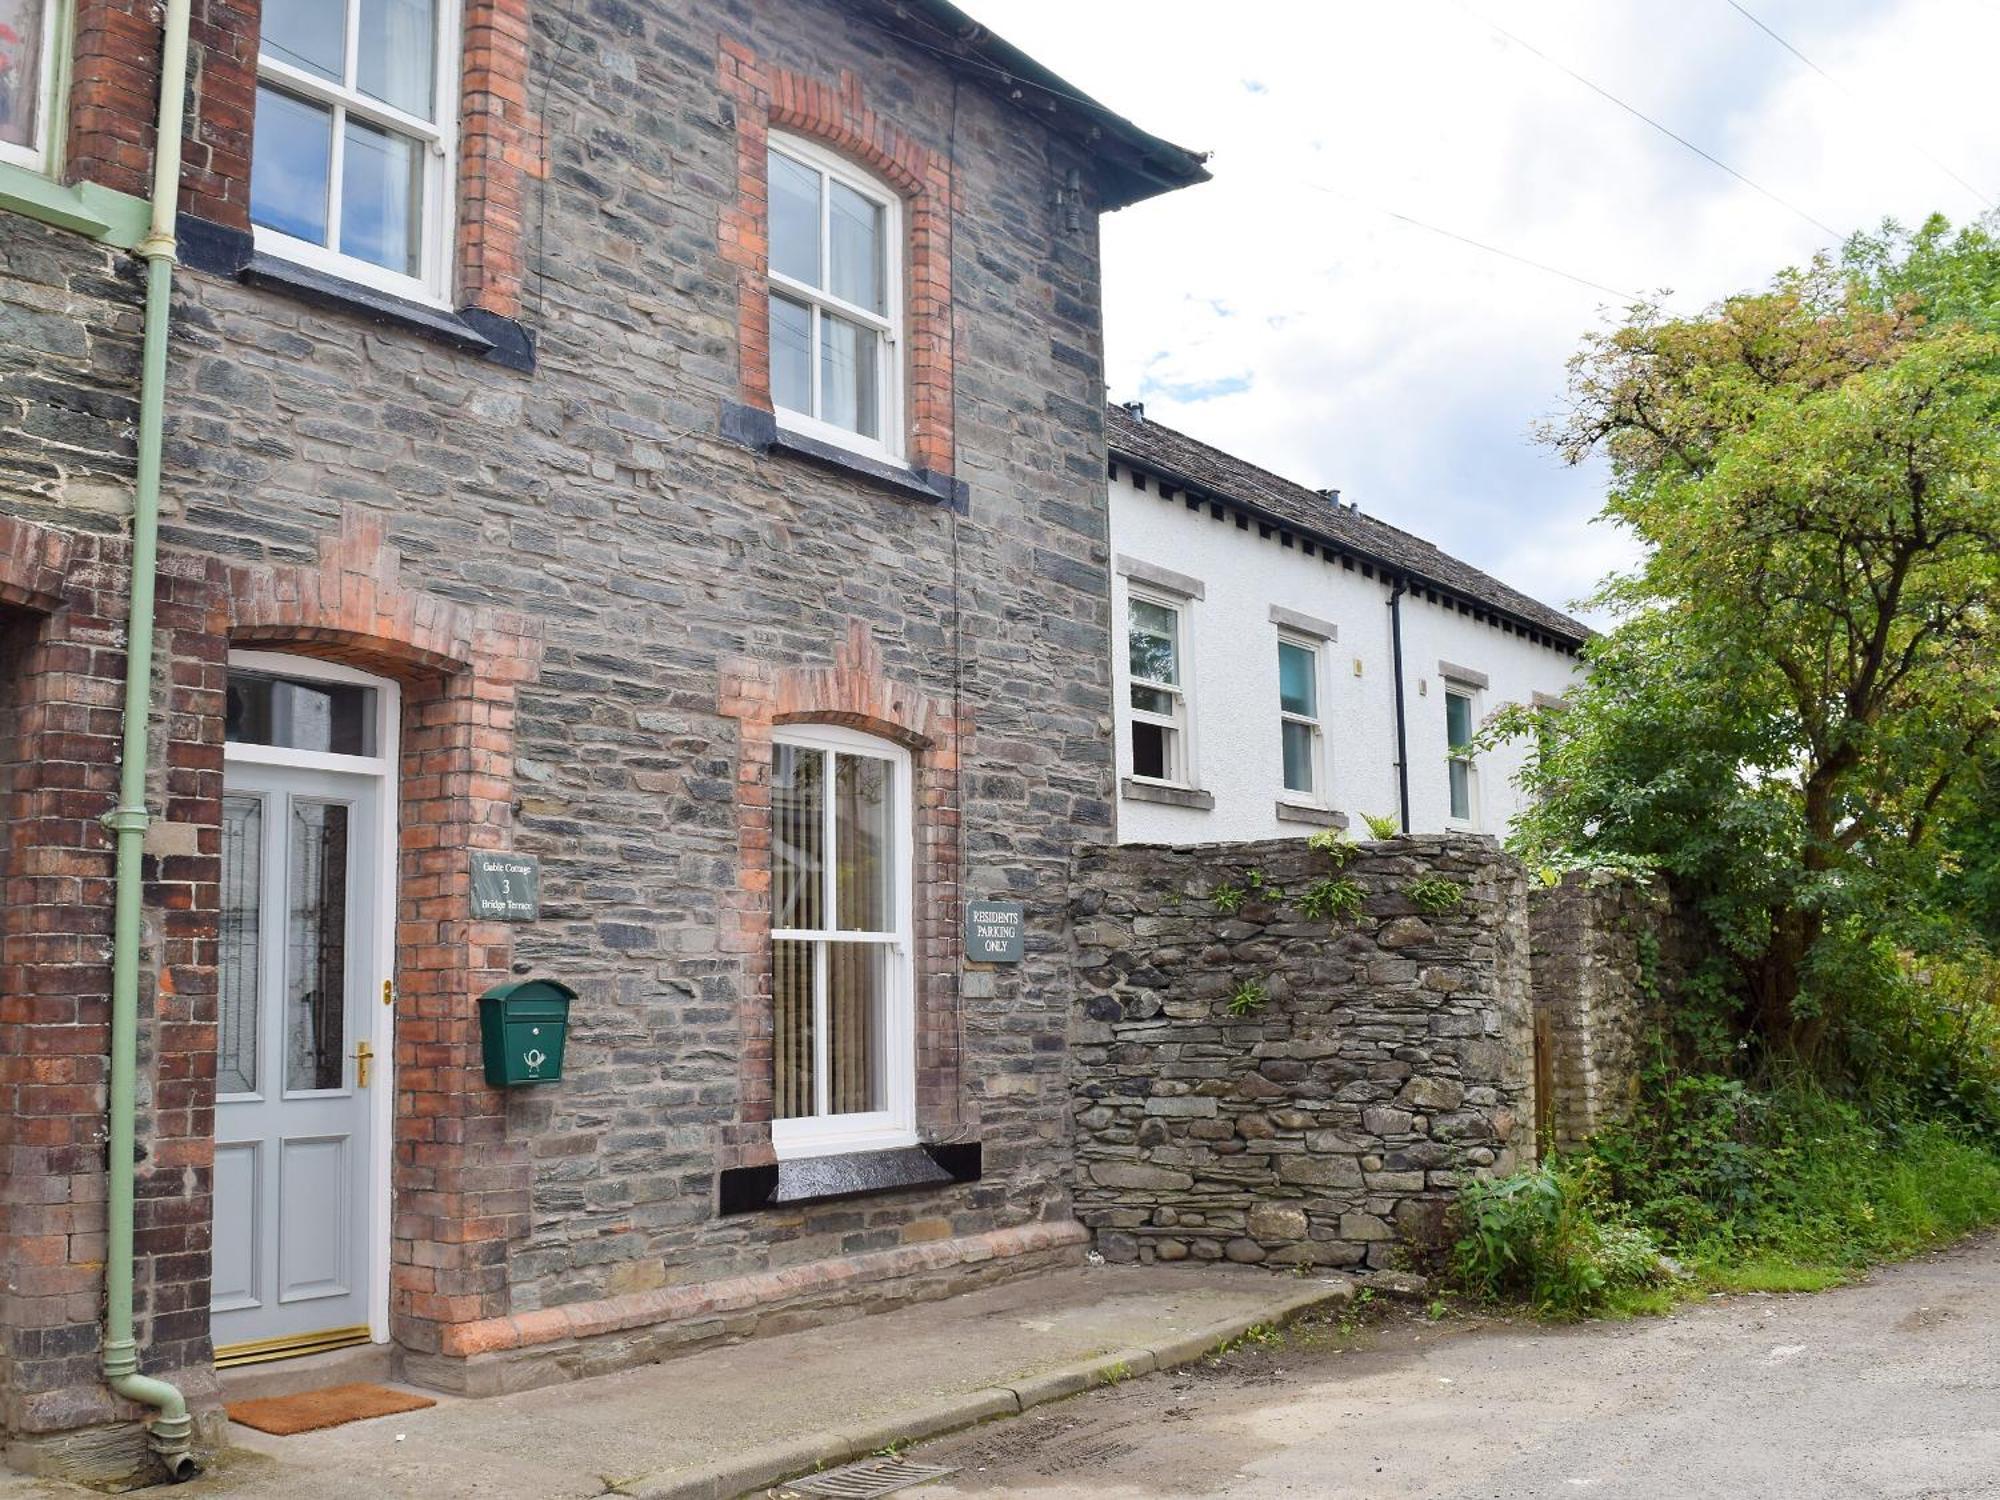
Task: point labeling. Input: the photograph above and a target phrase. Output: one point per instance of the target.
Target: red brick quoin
(857, 692)
(461, 1187)
(767, 96)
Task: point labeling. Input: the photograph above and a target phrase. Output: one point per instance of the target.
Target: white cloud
(1281, 313)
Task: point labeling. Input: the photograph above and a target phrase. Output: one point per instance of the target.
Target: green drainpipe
(169, 1430)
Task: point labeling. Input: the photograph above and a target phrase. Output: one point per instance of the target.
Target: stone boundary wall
(1391, 1055)
(1608, 954)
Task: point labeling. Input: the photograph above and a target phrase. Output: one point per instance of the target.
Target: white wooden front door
(301, 1057)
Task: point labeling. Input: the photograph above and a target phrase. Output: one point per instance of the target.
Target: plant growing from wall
(1382, 826)
(1248, 998)
(1330, 900)
(1227, 897)
(1334, 844)
(1434, 894)
(1264, 887)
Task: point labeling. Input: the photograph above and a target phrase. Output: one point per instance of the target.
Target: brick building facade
(551, 509)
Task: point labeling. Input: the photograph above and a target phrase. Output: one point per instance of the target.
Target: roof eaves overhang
(1133, 164)
(1341, 545)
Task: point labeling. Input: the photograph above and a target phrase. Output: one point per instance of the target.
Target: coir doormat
(309, 1411)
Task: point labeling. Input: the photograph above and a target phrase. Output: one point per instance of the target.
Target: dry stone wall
(1377, 1058)
(1608, 954)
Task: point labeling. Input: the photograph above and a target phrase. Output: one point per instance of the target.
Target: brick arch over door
(767, 96)
(461, 1187)
(856, 692)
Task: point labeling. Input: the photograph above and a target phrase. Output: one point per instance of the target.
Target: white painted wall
(1230, 670)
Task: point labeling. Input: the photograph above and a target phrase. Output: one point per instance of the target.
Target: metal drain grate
(867, 1481)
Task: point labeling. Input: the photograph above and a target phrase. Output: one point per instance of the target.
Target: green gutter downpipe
(168, 1432)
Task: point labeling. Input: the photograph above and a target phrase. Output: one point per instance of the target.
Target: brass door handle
(363, 1056)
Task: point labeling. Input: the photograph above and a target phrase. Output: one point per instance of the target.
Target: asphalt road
(1888, 1388)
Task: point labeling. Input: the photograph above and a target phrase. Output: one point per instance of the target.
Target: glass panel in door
(316, 935)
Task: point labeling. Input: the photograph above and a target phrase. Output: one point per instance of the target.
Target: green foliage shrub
(1548, 1237)
(1382, 825)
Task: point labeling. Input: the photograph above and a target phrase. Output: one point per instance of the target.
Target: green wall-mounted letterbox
(522, 1026)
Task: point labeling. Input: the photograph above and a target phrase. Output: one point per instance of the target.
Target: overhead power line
(1466, 239)
(1910, 141)
(1639, 114)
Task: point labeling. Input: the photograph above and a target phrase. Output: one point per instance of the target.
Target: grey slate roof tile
(1161, 450)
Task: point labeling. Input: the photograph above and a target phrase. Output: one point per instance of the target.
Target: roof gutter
(169, 1431)
(1145, 156)
(1326, 539)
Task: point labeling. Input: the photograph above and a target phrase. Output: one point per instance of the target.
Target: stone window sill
(1170, 796)
(230, 252)
(853, 1174)
(758, 430)
(1305, 812)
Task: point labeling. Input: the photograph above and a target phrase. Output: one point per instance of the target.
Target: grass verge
(1723, 1191)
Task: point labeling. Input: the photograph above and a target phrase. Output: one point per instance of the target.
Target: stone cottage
(629, 493)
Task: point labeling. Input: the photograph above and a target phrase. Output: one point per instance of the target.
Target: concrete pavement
(721, 1421)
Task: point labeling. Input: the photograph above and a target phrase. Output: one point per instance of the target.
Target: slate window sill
(231, 252)
(1171, 796)
(853, 1174)
(1319, 817)
(759, 431)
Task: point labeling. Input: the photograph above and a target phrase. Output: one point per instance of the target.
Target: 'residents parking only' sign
(993, 932)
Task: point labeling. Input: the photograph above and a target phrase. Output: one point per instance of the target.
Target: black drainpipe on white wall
(1402, 732)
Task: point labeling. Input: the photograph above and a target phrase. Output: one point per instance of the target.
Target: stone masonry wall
(602, 502)
(1390, 1055)
(1608, 954)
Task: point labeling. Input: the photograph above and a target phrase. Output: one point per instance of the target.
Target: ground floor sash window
(843, 1074)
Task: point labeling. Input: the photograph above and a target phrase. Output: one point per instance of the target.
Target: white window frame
(1316, 721)
(1180, 744)
(889, 327)
(896, 1123)
(34, 156)
(438, 231)
(1452, 756)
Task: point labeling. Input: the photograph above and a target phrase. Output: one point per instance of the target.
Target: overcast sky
(1283, 313)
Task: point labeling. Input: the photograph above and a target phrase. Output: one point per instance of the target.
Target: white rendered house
(1285, 663)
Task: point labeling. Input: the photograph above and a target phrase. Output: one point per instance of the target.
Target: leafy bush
(1329, 900)
(1790, 1181)
(1547, 1237)
(1923, 1041)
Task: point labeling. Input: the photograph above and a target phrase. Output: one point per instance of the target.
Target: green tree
(1802, 677)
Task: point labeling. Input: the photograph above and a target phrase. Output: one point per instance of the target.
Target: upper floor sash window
(351, 162)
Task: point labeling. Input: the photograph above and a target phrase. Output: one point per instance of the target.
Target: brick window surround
(767, 97)
(855, 692)
(115, 90)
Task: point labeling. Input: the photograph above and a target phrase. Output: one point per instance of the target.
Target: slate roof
(1188, 464)
(1133, 164)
